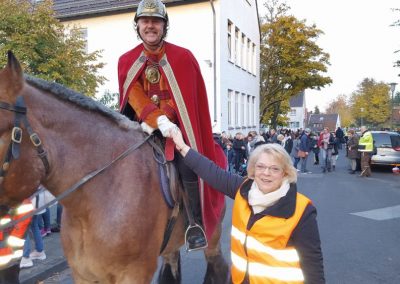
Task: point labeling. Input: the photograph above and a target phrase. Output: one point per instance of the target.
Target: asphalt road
(359, 222)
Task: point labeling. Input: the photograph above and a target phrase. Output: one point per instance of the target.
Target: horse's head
(19, 177)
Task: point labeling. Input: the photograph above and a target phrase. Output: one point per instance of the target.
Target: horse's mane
(80, 100)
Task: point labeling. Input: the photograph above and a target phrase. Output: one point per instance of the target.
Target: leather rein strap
(74, 187)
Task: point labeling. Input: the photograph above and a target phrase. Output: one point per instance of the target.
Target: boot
(194, 236)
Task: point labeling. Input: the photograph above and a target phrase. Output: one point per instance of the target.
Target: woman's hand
(179, 142)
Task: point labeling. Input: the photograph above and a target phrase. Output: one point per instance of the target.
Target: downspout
(214, 59)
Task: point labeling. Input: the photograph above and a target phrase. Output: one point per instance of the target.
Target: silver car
(387, 148)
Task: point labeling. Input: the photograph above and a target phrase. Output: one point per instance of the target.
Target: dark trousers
(10, 275)
(365, 164)
(190, 185)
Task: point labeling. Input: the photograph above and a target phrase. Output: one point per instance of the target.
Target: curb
(44, 274)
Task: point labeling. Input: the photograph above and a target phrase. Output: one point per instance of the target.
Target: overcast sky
(359, 39)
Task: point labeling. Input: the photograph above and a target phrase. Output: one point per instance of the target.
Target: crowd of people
(301, 144)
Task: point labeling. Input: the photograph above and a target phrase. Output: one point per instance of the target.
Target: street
(359, 221)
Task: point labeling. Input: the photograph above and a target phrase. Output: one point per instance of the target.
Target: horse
(113, 224)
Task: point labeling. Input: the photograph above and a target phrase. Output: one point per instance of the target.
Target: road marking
(381, 214)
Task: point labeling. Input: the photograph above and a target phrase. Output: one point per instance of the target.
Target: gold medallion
(155, 99)
(152, 74)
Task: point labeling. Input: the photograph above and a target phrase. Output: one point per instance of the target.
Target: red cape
(191, 84)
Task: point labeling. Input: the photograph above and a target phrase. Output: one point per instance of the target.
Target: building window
(253, 59)
(248, 59)
(253, 107)
(243, 51)
(242, 110)
(293, 112)
(236, 114)
(237, 46)
(248, 112)
(230, 39)
(230, 97)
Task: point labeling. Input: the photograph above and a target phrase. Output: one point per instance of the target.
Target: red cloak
(193, 92)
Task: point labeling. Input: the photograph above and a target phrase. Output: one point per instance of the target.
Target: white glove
(166, 127)
(147, 128)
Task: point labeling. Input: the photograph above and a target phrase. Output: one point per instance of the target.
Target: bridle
(13, 151)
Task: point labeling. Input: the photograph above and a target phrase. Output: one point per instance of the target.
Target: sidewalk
(43, 269)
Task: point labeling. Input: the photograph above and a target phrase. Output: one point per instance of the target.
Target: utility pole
(392, 89)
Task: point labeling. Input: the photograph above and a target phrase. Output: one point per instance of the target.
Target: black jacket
(305, 238)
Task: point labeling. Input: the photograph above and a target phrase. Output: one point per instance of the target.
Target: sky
(359, 39)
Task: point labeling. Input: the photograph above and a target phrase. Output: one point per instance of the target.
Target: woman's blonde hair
(277, 152)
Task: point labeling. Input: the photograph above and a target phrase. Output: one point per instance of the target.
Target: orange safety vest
(12, 239)
(262, 252)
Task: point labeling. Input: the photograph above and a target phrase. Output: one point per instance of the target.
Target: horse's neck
(78, 141)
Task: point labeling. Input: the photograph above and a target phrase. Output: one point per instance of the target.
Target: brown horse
(113, 225)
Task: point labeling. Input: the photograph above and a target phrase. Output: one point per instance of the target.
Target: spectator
(295, 150)
(38, 253)
(305, 146)
(12, 241)
(315, 148)
(230, 155)
(239, 146)
(335, 151)
(326, 145)
(339, 134)
(352, 147)
(57, 227)
(366, 147)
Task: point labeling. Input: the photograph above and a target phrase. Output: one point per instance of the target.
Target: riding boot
(195, 236)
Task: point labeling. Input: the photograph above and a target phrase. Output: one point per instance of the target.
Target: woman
(326, 145)
(352, 147)
(275, 234)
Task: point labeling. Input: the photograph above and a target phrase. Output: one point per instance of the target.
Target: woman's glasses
(272, 169)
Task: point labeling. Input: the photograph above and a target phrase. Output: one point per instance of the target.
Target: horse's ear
(13, 64)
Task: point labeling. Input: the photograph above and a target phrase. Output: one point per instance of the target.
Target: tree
(341, 107)
(290, 60)
(110, 100)
(316, 110)
(397, 23)
(371, 102)
(45, 48)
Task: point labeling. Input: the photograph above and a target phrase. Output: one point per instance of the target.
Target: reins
(13, 151)
(74, 187)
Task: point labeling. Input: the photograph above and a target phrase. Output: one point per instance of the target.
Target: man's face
(151, 30)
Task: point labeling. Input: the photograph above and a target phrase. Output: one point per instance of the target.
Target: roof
(66, 9)
(297, 100)
(321, 118)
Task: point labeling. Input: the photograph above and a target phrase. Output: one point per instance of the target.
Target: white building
(224, 36)
(297, 115)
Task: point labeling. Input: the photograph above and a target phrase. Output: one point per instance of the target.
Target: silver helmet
(151, 8)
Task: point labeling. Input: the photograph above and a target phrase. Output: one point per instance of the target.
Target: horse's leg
(217, 267)
(170, 271)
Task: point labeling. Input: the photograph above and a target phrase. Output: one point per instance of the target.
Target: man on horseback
(161, 86)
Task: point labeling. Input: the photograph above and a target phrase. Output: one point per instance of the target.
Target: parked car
(387, 148)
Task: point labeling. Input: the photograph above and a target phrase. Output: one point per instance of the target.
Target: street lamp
(392, 89)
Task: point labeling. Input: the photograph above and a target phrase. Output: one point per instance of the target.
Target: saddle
(172, 190)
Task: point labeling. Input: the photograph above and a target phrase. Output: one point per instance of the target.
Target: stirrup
(198, 229)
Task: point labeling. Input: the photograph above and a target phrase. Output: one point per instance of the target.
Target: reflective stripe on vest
(6, 255)
(262, 251)
(24, 208)
(15, 242)
(4, 221)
